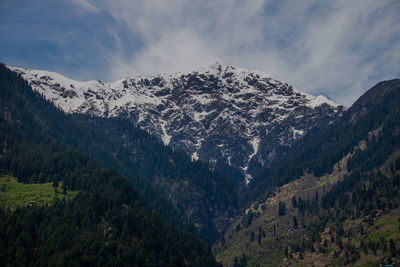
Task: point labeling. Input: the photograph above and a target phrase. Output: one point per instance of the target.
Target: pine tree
(295, 224)
(281, 208)
(294, 202)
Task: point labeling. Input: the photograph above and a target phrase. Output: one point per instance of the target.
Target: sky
(337, 48)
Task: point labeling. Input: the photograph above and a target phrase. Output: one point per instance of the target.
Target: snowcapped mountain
(220, 113)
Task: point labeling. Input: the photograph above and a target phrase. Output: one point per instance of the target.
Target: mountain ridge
(241, 118)
(341, 162)
(333, 199)
(107, 222)
(182, 191)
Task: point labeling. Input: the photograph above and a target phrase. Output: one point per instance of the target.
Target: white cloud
(337, 48)
(181, 35)
(86, 6)
(178, 51)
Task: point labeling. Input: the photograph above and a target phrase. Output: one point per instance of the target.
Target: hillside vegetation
(183, 192)
(106, 223)
(345, 213)
(14, 194)
(331, 200)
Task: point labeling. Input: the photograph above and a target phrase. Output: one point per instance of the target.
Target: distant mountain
(222, 114)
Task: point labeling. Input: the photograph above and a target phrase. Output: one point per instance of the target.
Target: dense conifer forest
(333, 199)
(107, 222)
(328, 143)
(152, 167)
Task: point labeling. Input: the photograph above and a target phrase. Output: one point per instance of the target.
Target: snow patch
(254, 143)
(197, 116)
(195, 156)
(247, 178)
(297, 133)
(165, 137)
(316, 101)
(140, 119)
(248, 108)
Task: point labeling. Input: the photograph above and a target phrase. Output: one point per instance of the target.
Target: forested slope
(107, 223)
(326, 144)
(177, 188)
(341, 205)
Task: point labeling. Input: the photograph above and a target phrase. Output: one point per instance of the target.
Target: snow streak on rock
(220, 113)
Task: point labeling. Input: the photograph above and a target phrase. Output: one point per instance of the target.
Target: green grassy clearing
(270, 218)
(17, 194)
(323, 181)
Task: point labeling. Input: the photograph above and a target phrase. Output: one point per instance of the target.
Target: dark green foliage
(152, 167)
(242, 262)
(249, 218)
(378, 148)
(375, 193)
(369, 191)
(295, 223)
(281, 208)
(33, 163)
(169, 171)
(326, 144)
(107, 223)
(310, 205)
(155, 160)
(261, 234)
(294, 202)
(392, 247)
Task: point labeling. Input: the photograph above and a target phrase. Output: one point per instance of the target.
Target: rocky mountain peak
(239, 117)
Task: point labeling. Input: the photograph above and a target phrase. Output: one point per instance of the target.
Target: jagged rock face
(220, 113)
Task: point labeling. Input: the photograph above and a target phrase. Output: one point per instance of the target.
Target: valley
(220, 162)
